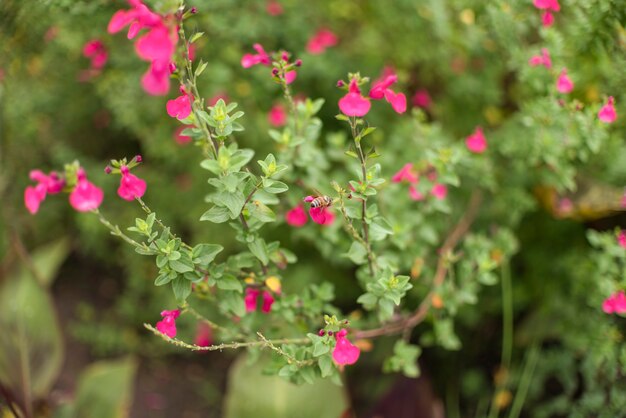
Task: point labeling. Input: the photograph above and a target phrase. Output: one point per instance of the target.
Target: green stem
(527, 375)
(115, 230)
(507, 316)
(159, 222)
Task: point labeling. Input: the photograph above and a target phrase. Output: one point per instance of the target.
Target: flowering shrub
(422, 211)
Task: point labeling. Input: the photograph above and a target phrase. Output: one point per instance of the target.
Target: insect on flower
(319, 208)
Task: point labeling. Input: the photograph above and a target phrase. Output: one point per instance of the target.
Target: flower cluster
(548, 6)
(353, 104)
(323, 38)
(616, 303)
(157, 46)
(251, 300)
(407, 174)
(46, 184)
(543, 59)
(97, 53)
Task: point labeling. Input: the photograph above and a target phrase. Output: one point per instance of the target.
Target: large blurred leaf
(105, 390)
(46, 261)
(31, 347)
(251, 394)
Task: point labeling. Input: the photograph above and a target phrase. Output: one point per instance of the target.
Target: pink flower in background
(297, 216)
(204, 335)
(543, 59)
(277, 116)
(158, 44)
(547, 5)
(422, 99)
(616, 303)
(139, 17)
(353, 104)
(274, 8)
(608, 114)
(268, 301)
(406, 173)
(179, 107)
(167, 326)
(323, 38)
(345, 353)
(476, 142)
(621, 239)
(156, 81)
(86, 196)
(564, 84)
(191, 52)
(415, 194)
(46, 184)
(216, 97)
(96, 51)
(250, 299)
(290, 76)
(547, 19)
(131, 186)
(381, 89)
(179, 137)
(51, 34)
(440, 191)
(261, 57)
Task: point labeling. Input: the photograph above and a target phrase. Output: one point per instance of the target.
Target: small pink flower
(565, 206)
(156, 81)
(250, 299)
(297, 216)
(268, 301)
(381, 89)
(608, 114)
(422, 99)
(323, 38)
(547, 19)
(167, 325)
(290, 76)
(261, 57)
(274, 8)
(179, 137)
(406, 173)
(138, 17)
(322, 216)
(415, 194)
(277, 116)
(616, 303)
(345, 353)
(33, 196)
(131, 186)
(353, 104)
(547, 5)
(440, 191)
(476, 142)
(179, 107)
(621, 239)
(543, 59)
(158, 44)
(564, 84)
(204, 335)
(96, 51)
(86, 196)
(191, 52)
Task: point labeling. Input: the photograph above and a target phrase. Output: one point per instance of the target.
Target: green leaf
(195, 37)
(31, 346)
(204, 254)
(47, 260)
(105, 390)
(212, 165)
(319, 348)
(233, 302)
(233, 201)
(326, 366)
(216, 215)
(239, 159)
(162, 279)
(368, 301)
(200, 69)
(274, 186)
(182, 264)
(229, 282)
(259, 249)
(357, 253)
(271, 396)
(181, 288)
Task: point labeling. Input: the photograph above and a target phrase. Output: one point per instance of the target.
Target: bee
(321, 202)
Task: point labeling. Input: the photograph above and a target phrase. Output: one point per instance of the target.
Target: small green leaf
(229, 282)
(200, 69)
(216, 214)
(195, 37)
(259, 249)
(181, 288)
(357, 253)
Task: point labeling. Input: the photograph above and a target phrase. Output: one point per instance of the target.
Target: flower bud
(275, 72)
(285, 57)
(321, 333)
(340, 83)
(172, 68)
(330, 333)
(298, 63)
(138, 158)
(108, 169)
(194, 10)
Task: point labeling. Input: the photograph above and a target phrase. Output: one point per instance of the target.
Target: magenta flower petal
(250, 299)
(476, 142)
(180, 107)
(290, 76)
(564, 84)
(547, 19)
(156, 45)
(353, 104)
(131, 186)
(608, 114)
(119, 19)
(297, 216)
(405, 174)
(156, 81)
(397, 100)
(440, 191)
(323, 39)
(268, 301)
(422, 99)
(318, 215)
(167, 325)
(378, 89)
(345, 353)
(415, 194)
(204, 335)
(621, 239)
(86, 196)
(33, 196)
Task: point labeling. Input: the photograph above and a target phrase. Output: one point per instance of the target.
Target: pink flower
(415, 194)
(156, 81)
(323, 38)
(274, 8)
(158, 44)
(290, 76)
(564, 84)
(131, 186)
(422, 99)
(46, 184)
(476, 142)
(320, 215)
(547, 18)
(277, 116)
(33, 196)
(381, 89)
(353, 104)
(621, 239)
(543, 59)
(250, 299)
(297, 216)
(86, 196)
(179, 137)
(96, 51)
(179, 107)
(204, 335)
(608, 114)
(440, 191)
(167, 325)
(406, 173)
(547, 5)
(565, 206)
(268, 301)
(345, 353)
(616, 303)
(261, 57)
(138, 17)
